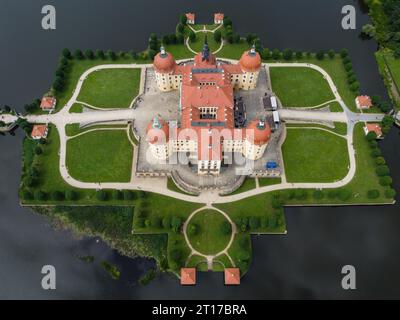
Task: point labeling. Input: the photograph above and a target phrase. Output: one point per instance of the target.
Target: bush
(264, 222)
(266, 54)
(344, 194)
(128, 195)
(373, 144)
(66, 53)
(390, 193)
(355, 87)
(344, 53)
(38, 150)
(380, 161)
(277, 203)
(166, 222)
(100, 54)
(318, 194)
(193, 229)
(276, 54)
(40, 195)
(320, 55)
(301, 194)
(243, 255)
(71, 195)
(287, 54)
(217, 36)
(348, 66)
(138, 223)
(346, 60)
(89, 54)
(226, 228)
(78, 54)
(117, 195)
(192, 36)
(331, 54)
(371, 136)
(272, 221)
(176, 255)
(254, 223)
(101, 195)
(373, 194)
(376, 152)
(332, 194)
(27, 195)
(382, 170)
(30, 181)
(299, 55)
(176, 223)
(57, 196)
(385, 181)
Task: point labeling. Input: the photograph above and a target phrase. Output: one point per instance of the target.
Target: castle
(207, 132)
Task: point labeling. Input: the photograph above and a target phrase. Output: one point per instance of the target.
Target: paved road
(63, 117)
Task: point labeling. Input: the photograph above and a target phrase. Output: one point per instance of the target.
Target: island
(183, 151)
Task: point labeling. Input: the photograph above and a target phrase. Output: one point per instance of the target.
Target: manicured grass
(100, 156)
(221, 259)
(241, 252)
(74, 129)
(263, 182)
(300, 87)
(78, 67)
(314, 155)
(339, 127)
(111, 88)
(335, 107)
(248, 184)
(76, 108)
(209, 238)
(234, 51)
(199, 43)
(179, 51)
(198, 262)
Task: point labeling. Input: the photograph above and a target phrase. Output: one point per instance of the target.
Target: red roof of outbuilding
(47, 103)
(232, 276)
(218, 16)
(190, 16)
(364, 101)
(188, 276)
(374, 127)
(39, 130)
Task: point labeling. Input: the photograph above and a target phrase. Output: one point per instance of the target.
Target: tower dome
(164, 62)
(258, 132)
(157, 131)
(250, 60)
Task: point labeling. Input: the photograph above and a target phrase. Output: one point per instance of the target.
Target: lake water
(304, 264)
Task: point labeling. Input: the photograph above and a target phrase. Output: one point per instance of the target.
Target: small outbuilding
(48, 103)
(373, 127)
(232, 276)
(218, 18)
(190, 18)
(188, 276)
(39, 131)
(363, 102)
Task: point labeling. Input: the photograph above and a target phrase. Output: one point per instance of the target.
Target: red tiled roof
(232, 276)
(164, 63)
(188, 276)
(364, 101)
(39, 131)
(190, 16)
(218, 16)
(250, 62)
(374, 127)
(256, 134)
(48, 103)
(157, 135)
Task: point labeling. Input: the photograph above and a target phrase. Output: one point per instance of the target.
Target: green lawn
(314, 155)
(111, 88)
(300, 87)
(100, 156)
(335, 107)
(234, 51)
(248, 184)
(339, 127)
(263, 182)
(74, 129)
(389, 67)
(76, 108)
(199, 43)
(209, 239)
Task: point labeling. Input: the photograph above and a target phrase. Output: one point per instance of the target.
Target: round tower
(250, 63)
(164, 66)
(157, 135)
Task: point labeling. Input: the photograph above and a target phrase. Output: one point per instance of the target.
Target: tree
(344, 194)
(172, 38)
(101, 195)
(277, 203)
(217, 36)
(351, 79)
(183, 19)
(180, 28)
(27, 195)
(371, 136)
(376, 152)
(38, 150)
(344, 53)
(180, 38)
(385, 181)
(346, 60)
(40, 195)
(355, 86)
(266, 54)
(390, 193)
(166, 222)
(227, 22)
(331, 53)
(264, 222)
(318, 194)
(57, 196)
(176, 223)
(226, 228)
(250, 38)
(89, 54)
(300, 194)
(320, 55)
(128, 195)
(382, 170)
(165, 39)
(71, 195)
(192, 36)
(176, 255)
(243, 255)
(276, 54)
(100, 54)
(369, 30)
(373, 194)
(380, 161)
(254, 223)
(111, 54)
(117, 195)
(66, 53)
(78, 54)
(348, 67)
(299, 55)
(155, 221)
(287, 54)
